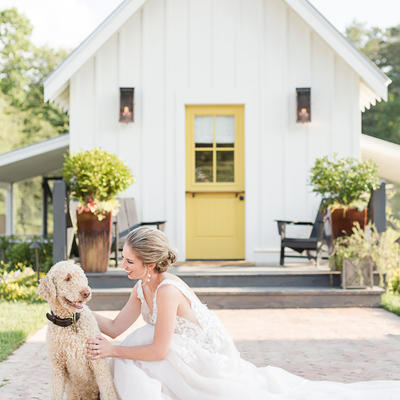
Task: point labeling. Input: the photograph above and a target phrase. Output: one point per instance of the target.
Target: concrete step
(226, 279)
(256, 297)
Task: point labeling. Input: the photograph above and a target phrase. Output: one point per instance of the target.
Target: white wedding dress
(204, 364)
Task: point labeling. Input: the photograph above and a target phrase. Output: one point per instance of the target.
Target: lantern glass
(303, 105)
(126, 96)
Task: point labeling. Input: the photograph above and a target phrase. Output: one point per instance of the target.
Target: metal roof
(385, 154)
(34, 160)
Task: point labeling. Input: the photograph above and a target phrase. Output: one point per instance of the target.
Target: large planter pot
(94, 241)
(342, 220)
(357, 273)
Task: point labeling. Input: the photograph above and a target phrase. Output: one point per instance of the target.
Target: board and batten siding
(201, 51)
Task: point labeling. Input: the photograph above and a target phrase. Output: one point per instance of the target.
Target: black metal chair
(125, 221)
(311, 245)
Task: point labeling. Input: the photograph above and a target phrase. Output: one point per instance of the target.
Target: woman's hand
(98, 348)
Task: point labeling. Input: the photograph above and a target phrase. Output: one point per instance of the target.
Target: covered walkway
(385, 154)
(39, 159)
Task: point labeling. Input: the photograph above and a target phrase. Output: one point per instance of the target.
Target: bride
(184, 351)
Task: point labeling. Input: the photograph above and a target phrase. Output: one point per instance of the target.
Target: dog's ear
(47, 289)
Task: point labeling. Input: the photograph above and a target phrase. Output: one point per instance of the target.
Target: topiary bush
(95, 177)
(345, 181)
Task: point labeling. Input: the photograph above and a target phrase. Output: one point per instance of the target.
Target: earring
(148, 277)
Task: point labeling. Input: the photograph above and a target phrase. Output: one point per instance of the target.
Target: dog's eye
(68, 277)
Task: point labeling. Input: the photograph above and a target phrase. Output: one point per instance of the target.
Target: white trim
(371, 75)
(246, 98)
(57, 82)
(34, 150)
(368, 71)
(267, 250)
(9, 208)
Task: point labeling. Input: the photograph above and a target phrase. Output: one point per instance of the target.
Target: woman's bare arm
(126, 317)
(167, 307)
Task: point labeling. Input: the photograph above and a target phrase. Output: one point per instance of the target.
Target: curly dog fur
(65, 287)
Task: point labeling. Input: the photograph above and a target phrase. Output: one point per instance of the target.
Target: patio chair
(125, 221)
(311, 245)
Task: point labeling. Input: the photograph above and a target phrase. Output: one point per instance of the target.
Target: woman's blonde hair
(151, 246)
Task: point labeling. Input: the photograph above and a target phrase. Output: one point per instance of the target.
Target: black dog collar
(64, 322)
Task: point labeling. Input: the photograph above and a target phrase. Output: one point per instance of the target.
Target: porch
(230, 286)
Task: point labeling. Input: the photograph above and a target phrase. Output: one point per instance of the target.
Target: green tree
(23, 67)
(382, 46)
(24, 116)
(15, 55)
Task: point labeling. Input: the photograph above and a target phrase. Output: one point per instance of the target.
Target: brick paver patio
(345, 345)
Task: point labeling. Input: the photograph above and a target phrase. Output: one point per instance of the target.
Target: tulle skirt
(191, 372)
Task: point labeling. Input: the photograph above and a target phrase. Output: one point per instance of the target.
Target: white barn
(215, 145)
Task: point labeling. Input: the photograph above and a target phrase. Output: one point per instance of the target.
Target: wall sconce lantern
(126, 97)
(303, 105)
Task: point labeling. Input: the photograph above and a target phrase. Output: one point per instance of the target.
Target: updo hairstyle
(151, 246)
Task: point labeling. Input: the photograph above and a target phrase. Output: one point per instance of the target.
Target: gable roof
(375, 82)
(373, 85)
(56, 85)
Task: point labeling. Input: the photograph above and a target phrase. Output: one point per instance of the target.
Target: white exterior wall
(251, 52)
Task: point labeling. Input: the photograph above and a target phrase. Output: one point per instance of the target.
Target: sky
(66, 23)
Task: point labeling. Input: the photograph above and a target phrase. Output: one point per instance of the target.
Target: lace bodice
(210, 334)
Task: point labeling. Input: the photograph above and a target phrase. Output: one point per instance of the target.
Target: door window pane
(225, 166)
(225, 130)
(203, 130)
(204, 166)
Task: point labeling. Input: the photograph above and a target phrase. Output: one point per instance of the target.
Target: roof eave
(368, 71)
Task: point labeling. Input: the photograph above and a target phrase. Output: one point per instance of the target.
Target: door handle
(241, 198)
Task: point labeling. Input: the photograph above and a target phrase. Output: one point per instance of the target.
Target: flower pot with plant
(364, 251)
(352, 256)
(346, 184)
(95, 177)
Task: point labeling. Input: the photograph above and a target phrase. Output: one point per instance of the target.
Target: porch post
(45, 206)
(9, 207)
(59, 221)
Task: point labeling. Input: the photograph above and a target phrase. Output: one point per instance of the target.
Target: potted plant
(95, 177)
(352, 256)
(346, 184)
(365, 250)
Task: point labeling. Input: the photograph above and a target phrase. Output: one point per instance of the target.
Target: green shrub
(391, 302)
(394, 284)
(95, 178)
(19, 285)
(16, 254)
(381, 247)
(345, 181)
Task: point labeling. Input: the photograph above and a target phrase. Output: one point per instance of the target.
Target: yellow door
(214, 182)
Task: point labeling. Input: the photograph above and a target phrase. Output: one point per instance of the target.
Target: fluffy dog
(71, 323)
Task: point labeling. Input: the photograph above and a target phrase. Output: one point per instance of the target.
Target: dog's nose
(85, 293)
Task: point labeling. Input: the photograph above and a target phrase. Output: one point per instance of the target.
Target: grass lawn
(391, 302)
(18, 321)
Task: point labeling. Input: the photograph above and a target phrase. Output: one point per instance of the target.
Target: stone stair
(245, 287)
